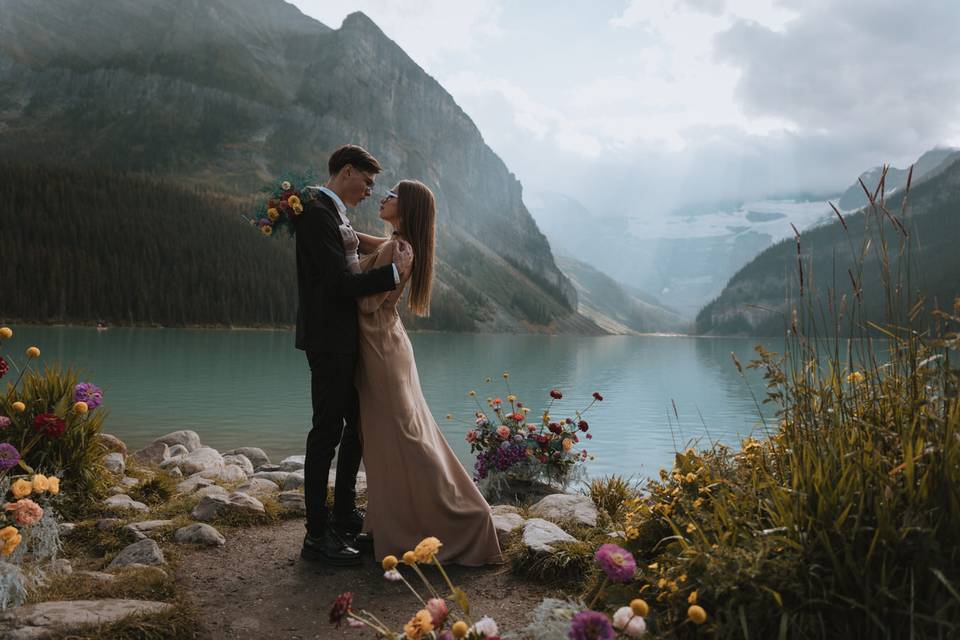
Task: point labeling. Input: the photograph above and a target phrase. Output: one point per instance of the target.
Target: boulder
(361, 480)
(178, 450)
(193, 483)
(292, 500)
(256, 456)
(268, 467)
(129, 482)
(294, 480)
(114, 463)
(292, 463)
(241, 461)
(175, 472)
(187, 438)
(199, 533)
(123, 501)
(505, 524)
(45, 618)
(145, 552)
(232, 473)
(150, 525)
(211, 490)
(243, 501)
(566, 506)
(66, 528)
(112, 443)
(539, 534)
(276, 477)
(258, 487)
(201, 459)
(172, 462)
(153, 454)
(212, 506)
(503, 509)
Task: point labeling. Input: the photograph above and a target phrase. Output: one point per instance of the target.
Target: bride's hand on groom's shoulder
(403, 257)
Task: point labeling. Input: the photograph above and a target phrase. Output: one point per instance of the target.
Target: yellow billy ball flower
(54, 485)
(266, 230)
(33, 352)
(696, 614)
(6, 333)
(511, 398)
(459, 629)
(389, 563)
(272, 213)
(409, 558)
(80, 407)
(21, 488)
(639, 607)
(40, 483)
(18, 406)
(293, 201)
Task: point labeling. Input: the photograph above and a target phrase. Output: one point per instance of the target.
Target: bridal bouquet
(508, 445)
(283, 203)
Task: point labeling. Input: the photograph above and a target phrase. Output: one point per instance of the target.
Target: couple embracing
(364, 384)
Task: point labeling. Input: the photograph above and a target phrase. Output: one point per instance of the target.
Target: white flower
(393, 575)
(485, 627)
(636, 627)
(622, 617)
(632, 625)
(285, 185)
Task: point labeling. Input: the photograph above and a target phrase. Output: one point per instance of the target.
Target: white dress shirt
(342, 210)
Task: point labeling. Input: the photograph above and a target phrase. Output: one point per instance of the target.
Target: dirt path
(256, 586)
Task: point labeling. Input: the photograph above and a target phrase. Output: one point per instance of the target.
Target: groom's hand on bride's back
(403, 258)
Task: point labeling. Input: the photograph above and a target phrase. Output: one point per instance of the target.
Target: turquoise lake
(251, 388)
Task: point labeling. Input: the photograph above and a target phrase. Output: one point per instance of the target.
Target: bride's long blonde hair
(417, 210)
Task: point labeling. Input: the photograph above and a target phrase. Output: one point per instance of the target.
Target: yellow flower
(661, 583)
(53, 485)
(297, 209)
(285, 185)
(294, 201)
(80, 407)
(692, 598)
(525, 410)
(21, 488)
(389, 563)
(639, 607)
(18, 406)
(427, 549)
(419, 625)
(6, 333)
(409, 558)
(266, 230)
(472, 394)
(272, 213)
(691, 528)
(696, 614)
(9, 539)
(567, 444)
(511, 398)
(459, 629)
(691, 477)
(33, 352)
(40, 483)
(653, 566)
(855, 377)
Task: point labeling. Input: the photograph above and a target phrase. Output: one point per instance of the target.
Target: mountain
(615, 308)
(225, 95)
(928, 165)
(755, 300)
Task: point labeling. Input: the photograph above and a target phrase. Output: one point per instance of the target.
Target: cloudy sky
(628, 104)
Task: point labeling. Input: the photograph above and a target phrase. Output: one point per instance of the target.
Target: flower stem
(426, 582)
(599, 591)
(412, 590)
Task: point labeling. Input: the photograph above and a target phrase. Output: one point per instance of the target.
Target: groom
(327, 332)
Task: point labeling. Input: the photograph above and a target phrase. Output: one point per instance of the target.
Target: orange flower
(419, 625)
(9, 539)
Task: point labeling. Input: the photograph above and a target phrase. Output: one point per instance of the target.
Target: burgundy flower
(555, 428)
(50, 425)
(4, 367)
(341, 607)
(555, 394)
(583, 425)
(597, 396)
(4, 422)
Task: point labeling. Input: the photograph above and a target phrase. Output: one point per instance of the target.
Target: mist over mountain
(229, 94)
(926, 166)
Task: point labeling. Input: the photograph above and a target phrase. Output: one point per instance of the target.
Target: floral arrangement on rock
(509, 447)
(283, 204)
(29, 427)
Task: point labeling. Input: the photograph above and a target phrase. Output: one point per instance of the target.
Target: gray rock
(150, 525)
(503, 509)
(505, 524)
(66, 528)
(187, 438)
(153, 454)
(243, 501)
(193, 483)
(292, 500)
(114, 463)
(241, 461)
(211, 490)
(129, 482)
(258, 487)
(145, 552)
(175, 472)
(44, 619)
(99, 576)
(292, 463)
(123, 501)
(117, 490)
(293, 481)
(178, 450)
(108, 523)
(539, 534)
(199, 533)
(255, 455)
(201, 459)
(232, 473)
(268, 467)
(60, 567)
(273, 476)
(566, 506)
(211, 507)
(361, 480)
(112, 443)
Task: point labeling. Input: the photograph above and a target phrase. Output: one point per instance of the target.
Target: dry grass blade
(837, 211)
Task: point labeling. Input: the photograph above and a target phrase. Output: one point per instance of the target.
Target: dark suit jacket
(327, 311)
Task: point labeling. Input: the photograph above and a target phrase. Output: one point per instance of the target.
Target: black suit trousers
(336, 421)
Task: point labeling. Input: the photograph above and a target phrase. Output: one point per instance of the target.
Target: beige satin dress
(416, 486)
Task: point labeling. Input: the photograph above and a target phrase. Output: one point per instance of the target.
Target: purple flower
(89, 393)
(4, 367)
(616, 562)
(590, 625)
(4, 422)
(9, 456)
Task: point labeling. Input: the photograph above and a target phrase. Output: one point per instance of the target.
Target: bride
(416, 486)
